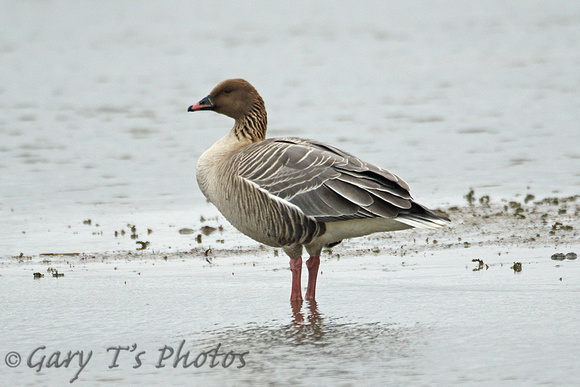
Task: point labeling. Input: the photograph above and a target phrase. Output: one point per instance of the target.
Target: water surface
(448, 95)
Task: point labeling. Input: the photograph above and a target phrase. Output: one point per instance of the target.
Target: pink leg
(296, 268)
(312, 264)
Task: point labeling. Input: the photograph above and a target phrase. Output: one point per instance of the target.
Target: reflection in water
(313, 326)
(312, 345)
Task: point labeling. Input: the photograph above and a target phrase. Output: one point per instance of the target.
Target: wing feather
(353, 193)
(325, 182)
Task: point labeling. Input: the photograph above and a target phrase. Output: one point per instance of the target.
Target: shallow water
(448, 96)
(422, 318)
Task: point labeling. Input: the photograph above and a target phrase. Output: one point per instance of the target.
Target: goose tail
(419, 216)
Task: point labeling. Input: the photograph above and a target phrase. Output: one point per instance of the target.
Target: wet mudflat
(415, 307)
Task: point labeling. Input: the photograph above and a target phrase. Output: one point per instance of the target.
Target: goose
(294, 193)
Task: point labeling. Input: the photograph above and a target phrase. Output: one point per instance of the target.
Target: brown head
(232, 97)
(237, 99)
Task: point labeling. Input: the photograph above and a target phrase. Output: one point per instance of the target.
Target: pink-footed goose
(292, 192)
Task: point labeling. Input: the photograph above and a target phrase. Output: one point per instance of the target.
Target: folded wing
(325, 182)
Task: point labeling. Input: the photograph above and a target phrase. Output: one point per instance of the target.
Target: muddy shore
(524, 222)
(419, 307)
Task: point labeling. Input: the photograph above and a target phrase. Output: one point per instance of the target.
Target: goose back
(325, 183)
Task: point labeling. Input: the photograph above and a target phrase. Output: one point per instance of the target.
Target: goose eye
(228, 90)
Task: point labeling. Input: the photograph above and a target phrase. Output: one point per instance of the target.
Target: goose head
(232, 97)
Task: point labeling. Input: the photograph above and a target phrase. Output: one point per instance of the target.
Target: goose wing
(325, 182)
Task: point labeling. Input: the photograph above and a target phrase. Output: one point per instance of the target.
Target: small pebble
(207, 230)
(558, 257)
(571, 256)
